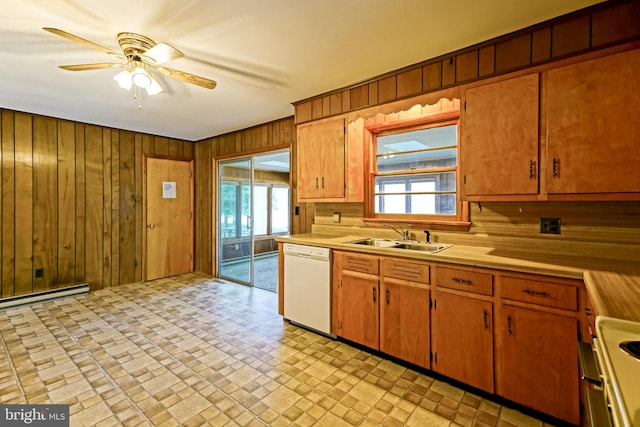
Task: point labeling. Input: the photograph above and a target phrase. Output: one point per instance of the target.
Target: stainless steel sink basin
(424, 247)
(401, 244)
(381, 243)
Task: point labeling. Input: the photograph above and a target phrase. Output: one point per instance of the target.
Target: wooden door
(540, 362)
(463, 339)
(359, 304)
(593, 126)
(404, 322)
(169, 218)
(499, 147)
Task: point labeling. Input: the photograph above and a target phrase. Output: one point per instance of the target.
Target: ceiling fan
(142, 57)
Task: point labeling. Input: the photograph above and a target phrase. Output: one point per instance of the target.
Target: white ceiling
(264, 54)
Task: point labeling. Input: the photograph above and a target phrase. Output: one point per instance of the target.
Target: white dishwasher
(307, 287)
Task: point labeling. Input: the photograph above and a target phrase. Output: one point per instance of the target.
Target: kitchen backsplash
(588, 229)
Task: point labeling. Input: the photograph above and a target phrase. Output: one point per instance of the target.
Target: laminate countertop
(614, 286)
(614, 294)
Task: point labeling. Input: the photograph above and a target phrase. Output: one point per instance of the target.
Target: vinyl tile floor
(192, 350)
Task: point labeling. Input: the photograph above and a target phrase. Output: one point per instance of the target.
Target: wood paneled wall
(606, 231)
(274, 135)
(593, 28)
(71, 197)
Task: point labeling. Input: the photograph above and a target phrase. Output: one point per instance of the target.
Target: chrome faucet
(403, 231)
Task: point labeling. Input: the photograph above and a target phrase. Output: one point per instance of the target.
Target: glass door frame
(251, 160)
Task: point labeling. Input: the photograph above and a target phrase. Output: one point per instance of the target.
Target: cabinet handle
(556, 167)
(485, 319)
(387, 296)
(374, 294)
(532, 165)
(536, 293)
(509, 330)
(317, 183)
(462, 281)
(323, 182)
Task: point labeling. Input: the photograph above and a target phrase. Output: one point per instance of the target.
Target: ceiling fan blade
(80, 40)
(187, 77)
(161, 53)
(86, 67)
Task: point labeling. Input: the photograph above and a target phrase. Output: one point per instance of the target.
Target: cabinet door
(320, 160)
(540, 362)
(359, 306)
(332, 159)
(404, 322)
(307, 164)
(463, 339)
(593, 126)
(499, 148)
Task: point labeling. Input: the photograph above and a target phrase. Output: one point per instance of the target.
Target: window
(279, 209)
(270, 208)
(414, 170)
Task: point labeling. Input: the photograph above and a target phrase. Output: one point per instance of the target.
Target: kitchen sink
(410, 245)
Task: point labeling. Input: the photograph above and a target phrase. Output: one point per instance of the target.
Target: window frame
(459, 221)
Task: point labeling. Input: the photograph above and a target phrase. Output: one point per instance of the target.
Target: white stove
(616, 342)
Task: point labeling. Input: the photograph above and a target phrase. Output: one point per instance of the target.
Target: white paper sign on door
(168, 190)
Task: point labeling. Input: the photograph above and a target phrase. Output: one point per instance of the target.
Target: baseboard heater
(44, 296)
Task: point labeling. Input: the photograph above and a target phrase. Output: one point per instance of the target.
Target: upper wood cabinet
(568, 133)
(329, 166)
(592, 112)
(499, 148)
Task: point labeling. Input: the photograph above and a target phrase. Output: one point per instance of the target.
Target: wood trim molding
(594, 28)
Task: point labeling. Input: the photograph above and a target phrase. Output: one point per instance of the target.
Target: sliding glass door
(235, 220)
(253, 208)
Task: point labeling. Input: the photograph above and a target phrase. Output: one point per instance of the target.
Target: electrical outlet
(550, 225)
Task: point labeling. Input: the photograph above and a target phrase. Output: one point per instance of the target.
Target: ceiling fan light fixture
(141, 78)
(123, 79)
(154, 87)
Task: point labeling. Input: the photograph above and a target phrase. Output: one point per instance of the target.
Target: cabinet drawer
(470, 281)
(404, 270)
(542, 293)
(361, 263)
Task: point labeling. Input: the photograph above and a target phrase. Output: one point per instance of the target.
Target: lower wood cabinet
(359, 319)
(540, 362)
(538, 336)
(404, 311)
(463, 339)
(511, 334)
(386, 311)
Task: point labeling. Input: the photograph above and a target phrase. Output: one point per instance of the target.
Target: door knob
(152, 226)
